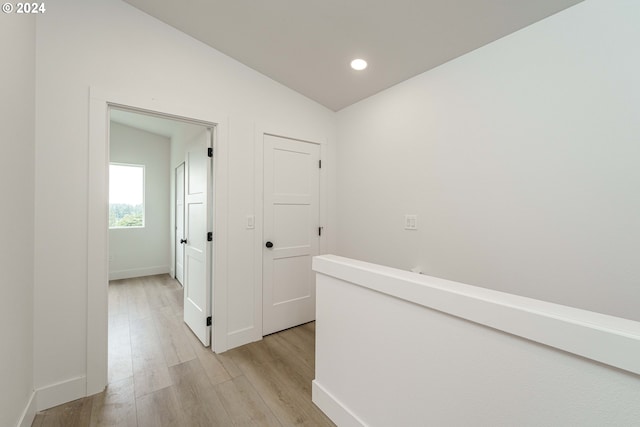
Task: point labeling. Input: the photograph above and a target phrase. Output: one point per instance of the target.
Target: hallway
(160, 375)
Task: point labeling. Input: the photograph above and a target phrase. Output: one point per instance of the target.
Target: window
(126, 196)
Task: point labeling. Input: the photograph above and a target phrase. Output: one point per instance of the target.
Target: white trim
(62, 392)
(174, 261)
(242, 337)
(138, 272)
(220, 238)
(610, 340)
(289, 133)
(324, 197)
(97, 244)
(333, 408)
(29, 413)
(257, 232)
(100, 101)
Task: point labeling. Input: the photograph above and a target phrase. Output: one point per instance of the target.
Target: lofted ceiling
(162, 126)
(307, 45)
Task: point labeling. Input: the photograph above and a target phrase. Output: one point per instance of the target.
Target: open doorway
(146, 217)
(139, 195)
(152, 318)
(101, 102)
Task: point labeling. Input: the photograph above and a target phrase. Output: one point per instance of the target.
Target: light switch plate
(251, 222)
(411, 222)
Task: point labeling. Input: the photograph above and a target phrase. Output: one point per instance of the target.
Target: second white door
(180, 240)
(291, 231)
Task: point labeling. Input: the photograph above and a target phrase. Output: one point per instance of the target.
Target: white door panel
(197, 251)
(291, 221)
(292, 276)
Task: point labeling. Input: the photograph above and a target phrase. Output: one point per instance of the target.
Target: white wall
(112, 46)
(450, 354)
(17, 176)
(520, 160)
(138, 252)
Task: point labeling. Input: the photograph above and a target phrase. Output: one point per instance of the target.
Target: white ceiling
(307, 45)
(166, 127)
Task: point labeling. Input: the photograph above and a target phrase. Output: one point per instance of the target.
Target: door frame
(175, 231)
(299, 135)
(100, 103)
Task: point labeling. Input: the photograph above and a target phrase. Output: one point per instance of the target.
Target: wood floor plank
(175, 298)
(154, 287)
(295, 347)
(116, 406)
(138, 304)
(287, 398)
(269, 390)
(290, 371)
(171, 300)
(161, 375)
(119, 353)
(173, 342)
(72, 414)
(305, 335)
(244, 404)
(160, 409)
(150, 371)
(198, 399)
(311, 326)
(118, 298)
(291, 366)
(37, 421)
(229, 365)
(214, 369)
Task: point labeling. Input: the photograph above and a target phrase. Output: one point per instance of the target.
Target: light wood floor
(160, 374)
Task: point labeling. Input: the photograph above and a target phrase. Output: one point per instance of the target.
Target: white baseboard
(29, 413)
(138, 272)
(62, 392)
(242, 337)
(333, 408)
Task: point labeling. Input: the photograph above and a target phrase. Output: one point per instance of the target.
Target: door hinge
(210, 151)
(320, 164)
(209, 321)
(320, 231)
(210, 237)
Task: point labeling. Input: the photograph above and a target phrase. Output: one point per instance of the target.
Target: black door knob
(269, 245)
(183, 240)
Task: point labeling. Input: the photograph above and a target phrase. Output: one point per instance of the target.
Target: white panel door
(197, 258)
(291, 232)
(180, 240)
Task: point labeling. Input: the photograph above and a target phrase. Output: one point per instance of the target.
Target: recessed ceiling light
(359, 64)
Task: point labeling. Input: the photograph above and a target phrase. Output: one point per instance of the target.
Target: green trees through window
(125, 215)
(126, 195)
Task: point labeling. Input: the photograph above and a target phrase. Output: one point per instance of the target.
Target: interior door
(291, 231)
(197, 249)
(180, 240)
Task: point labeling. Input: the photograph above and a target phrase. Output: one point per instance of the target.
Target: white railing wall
(395, 348)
